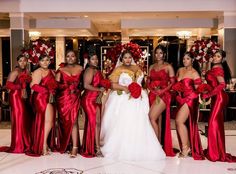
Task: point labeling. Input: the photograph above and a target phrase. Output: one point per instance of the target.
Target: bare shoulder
(168, 65)
(151, 66)
(37, 72)
(15, 72)
(195, 74)
(79, 67)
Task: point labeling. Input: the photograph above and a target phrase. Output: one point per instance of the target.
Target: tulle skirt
(126, 132)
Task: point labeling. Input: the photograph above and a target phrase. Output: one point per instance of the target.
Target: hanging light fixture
(184, 34)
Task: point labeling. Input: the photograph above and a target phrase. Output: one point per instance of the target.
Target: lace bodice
(125, 77)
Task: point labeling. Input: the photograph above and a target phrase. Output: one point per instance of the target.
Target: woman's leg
(181, 118)
(97, 132)
(49, 114)
(75, 135)
(154, 116)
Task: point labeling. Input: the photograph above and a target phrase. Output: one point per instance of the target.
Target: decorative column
(1, 73)
(60, 51)
(19, 25)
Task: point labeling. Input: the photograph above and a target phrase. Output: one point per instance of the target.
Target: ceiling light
(184, 34)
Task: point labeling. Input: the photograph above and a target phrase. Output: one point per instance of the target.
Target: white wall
(115, 5)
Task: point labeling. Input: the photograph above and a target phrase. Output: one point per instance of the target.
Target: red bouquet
(156, 84)
(52, 86)
(204, 88)
(105, 83)
(135, 90)
(24, 78)
(178, 87)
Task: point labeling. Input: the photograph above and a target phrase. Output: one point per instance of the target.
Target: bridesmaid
(187, 102)
(17, 81)
(68, 103)
(43, 85)
(92, 78)
(162, 74)
(217, 78)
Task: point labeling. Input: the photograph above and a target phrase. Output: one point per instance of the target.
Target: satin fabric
(40, 102)
(68, 103)
(89, 105)
(20, 121)
(166, 97)
(216, 136)
(191, 99)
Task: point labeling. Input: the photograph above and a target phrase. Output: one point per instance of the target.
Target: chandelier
(184, 34)
(34, 35)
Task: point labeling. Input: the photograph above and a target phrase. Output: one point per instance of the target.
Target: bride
(126, 132)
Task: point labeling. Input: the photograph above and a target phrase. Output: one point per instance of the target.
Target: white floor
(62, 164)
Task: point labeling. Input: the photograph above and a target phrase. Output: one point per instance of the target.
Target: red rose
(178, 87)
(155, 84)
(62, 65)
(105, 83)
(52, 85)
(204, 88)
(135, 90)
(24, 78)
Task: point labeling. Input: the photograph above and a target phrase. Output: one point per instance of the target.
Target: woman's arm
(88, 78)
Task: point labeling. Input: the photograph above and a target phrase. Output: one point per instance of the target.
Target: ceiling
(112, 22)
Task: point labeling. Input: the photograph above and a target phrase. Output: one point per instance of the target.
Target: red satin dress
(89, 105)
(190, 97)
(162, 76)
(68, 103)
(40, 101)
(20, 119)
(216, 135)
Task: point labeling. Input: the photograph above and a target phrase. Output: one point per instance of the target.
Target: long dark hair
(89, 57)
(195, 64)
(19, 57)
(227, 72)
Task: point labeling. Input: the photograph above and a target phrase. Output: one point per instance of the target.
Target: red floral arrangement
(24, 78)
(114, 53)
(52, 85)
(203, 50)
(135, 90)
(156, 84)
(35, 49)
(204, 88)
(178, 87)
(105, 83)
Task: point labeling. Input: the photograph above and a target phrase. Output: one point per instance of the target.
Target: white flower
(209, 45)
(198, 57)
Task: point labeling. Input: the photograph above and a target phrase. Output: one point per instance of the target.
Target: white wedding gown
(126, 132)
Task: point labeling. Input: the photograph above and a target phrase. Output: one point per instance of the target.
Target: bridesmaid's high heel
(74, 152)
(46, 151)
(186, 151)
(98, 152)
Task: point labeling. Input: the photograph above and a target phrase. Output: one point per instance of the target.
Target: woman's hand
(126, 89)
